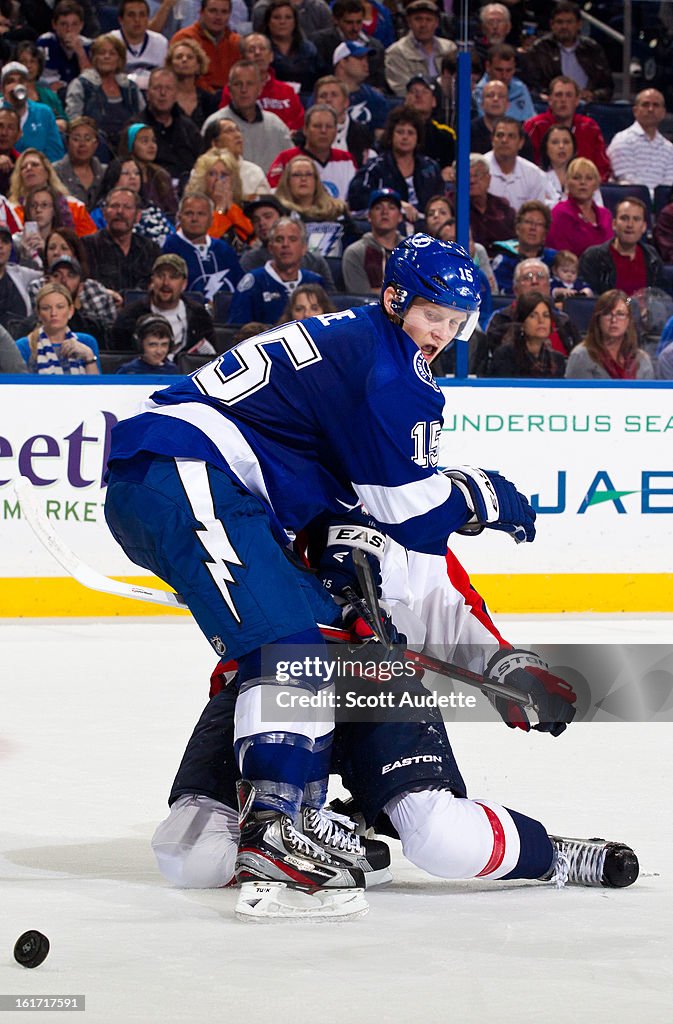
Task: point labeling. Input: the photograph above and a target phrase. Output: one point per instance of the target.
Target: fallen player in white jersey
(424, 798)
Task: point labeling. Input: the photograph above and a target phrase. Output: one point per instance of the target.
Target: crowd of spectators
(174, 174)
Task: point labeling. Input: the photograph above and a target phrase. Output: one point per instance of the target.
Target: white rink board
(538, 436)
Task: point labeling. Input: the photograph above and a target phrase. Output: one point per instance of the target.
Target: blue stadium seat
(334, 263)
(221, 304)
(613, 194)
(667, 271)
(579, 308)
(611, 117)
(662, 196)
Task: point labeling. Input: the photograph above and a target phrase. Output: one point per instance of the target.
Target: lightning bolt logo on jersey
(211, 268)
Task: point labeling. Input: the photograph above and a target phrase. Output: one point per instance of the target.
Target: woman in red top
(577, 222)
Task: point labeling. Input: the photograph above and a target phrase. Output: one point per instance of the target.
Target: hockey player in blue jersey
(208, 481)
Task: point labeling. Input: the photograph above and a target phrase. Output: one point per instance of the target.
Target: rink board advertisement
(596, 461)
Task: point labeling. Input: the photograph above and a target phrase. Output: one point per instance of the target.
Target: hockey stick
(94, 580)
(74, 566)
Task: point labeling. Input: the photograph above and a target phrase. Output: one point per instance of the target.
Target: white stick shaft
(79, 570)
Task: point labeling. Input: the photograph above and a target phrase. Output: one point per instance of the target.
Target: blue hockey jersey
(262, 296)
(211, 268)
(313, 416)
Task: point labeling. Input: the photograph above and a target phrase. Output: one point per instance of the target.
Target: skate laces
(328, 827)
(301, 843)
(578, 861)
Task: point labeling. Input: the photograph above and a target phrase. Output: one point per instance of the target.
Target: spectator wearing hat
(38, 124)
(501, 67)
(212, 264)
(348, 18)
(336, 167)
(350, 61)
(265, 212)
(15, 306)
(66, 270)
(191, 325)
(264, 134)
(420, 51)
(118, 257)
(401, 166)
(439, 140)
(364, 261)
(263, 293)
(153, 337)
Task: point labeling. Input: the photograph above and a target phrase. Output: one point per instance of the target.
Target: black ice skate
(337, 835)
(283, 873)
(592, 862)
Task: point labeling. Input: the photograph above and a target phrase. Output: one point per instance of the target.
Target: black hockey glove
(494, 502)
(526, 671)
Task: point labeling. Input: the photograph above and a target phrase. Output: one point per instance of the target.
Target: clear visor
(450, 323)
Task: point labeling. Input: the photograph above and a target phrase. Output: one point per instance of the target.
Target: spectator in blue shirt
(38, 124)
(263, 293)
(501, 67)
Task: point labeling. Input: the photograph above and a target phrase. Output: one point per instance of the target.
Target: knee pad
(453, 837)
(195, 846)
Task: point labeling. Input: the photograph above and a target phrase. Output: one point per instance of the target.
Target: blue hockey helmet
(441, 272)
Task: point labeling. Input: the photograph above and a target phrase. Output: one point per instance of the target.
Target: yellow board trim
(532, 593)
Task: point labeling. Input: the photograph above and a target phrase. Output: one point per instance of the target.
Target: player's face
(155, 349)
(432, 327)
(166, 286)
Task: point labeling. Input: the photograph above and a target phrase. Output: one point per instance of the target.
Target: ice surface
(93, 720)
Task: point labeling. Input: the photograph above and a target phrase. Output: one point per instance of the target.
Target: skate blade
(380, 877)
(266, 901)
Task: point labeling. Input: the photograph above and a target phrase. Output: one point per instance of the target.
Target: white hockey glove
(494, 503)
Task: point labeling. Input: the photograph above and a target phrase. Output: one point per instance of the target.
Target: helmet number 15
(426, 443)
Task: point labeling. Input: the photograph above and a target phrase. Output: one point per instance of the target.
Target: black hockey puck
(31, 949)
